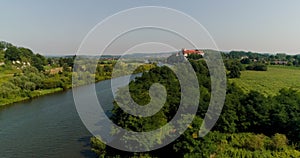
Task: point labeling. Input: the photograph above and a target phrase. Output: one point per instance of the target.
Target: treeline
(269, 59)
(253, 112)
(235, 66)
(250, 125)
(236, 61)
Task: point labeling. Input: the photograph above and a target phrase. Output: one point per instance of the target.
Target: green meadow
(271, 81)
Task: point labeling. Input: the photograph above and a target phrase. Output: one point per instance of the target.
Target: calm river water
(49, 126)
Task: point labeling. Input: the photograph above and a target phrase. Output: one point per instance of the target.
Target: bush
(245, 61)
(279, 141)
(51, 83)
(255, 142)
(234, 72)
(98, 147)
(257, 67)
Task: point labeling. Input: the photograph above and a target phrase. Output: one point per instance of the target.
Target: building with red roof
(187, 52)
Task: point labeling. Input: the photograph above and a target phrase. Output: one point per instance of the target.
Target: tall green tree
(234, 72)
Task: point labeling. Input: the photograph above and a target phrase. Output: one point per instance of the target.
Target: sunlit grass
(36, 93)
(271, 81)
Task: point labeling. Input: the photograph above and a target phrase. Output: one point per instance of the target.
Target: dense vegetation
(260, 117)
(251, 124)
(239, 60)
(24, 75)
(270, 59)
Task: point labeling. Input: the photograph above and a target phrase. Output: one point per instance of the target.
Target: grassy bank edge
(34, 94)
(43, 92)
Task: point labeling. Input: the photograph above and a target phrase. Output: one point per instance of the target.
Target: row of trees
(234, 66)
(249, 57)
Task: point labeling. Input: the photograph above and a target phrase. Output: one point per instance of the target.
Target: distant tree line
(269, 59)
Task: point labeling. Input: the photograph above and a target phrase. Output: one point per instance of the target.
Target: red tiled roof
(193, 51)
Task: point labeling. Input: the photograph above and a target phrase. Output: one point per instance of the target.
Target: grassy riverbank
(35, 94)
(15, 86)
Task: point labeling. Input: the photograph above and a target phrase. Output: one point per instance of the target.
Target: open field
(271, 81)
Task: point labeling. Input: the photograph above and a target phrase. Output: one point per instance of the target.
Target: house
(55, 70)
(244, 57)
(279, 62)
(187, 52)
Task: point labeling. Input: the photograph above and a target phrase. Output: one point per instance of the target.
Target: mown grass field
(271, 81)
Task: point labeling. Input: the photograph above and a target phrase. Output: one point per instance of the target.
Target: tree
(66, 68)
(279, 141)
(194, 56)
(38, 63)
(51, 83)
(12, 54)
(285, 114)
(234, 72)
(26, 54)
(245, 61)
(98, 147)
(257, 67)
(189, 142)
(257, 112)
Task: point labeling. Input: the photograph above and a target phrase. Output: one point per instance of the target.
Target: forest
(251, 124)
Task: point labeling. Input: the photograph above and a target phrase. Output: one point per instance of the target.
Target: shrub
(257, 67)
(279, 141)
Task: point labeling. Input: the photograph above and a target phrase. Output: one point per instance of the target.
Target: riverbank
(42, 92)
(28, 95)
(35, 94)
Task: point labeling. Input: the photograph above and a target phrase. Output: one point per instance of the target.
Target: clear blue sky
(58, 26)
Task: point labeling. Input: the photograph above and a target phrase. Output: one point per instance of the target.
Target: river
(49, 126)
